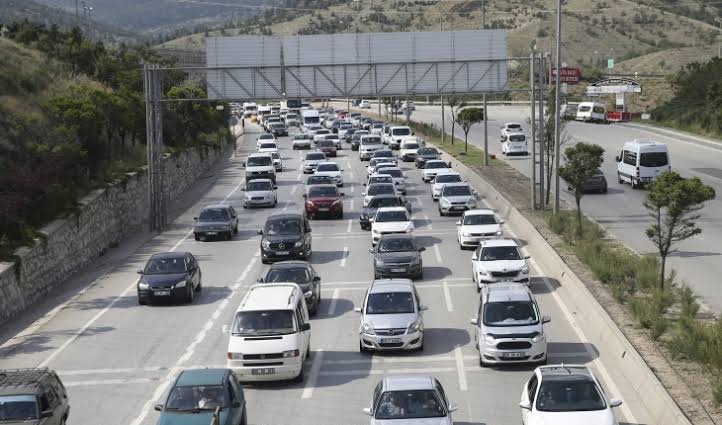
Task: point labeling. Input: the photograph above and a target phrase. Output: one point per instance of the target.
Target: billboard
(566, 75)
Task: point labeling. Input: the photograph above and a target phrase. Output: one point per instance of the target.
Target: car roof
(390, 285)
(435, 160)
(499, 242)
(479, 211)
(390, 209)
(512, 123)
(408, 382)
(450, 173)
(565, 372)
(289, 264)
(397, 236)
(507, 291)
(285, 215)
(395, 167)
(253, 181)
(457, 184)
(22, 381)
(269, 296)
(327, 162)
(174, 254)
(192, 377)
(382, 184)
(216, 206)
(256, 154)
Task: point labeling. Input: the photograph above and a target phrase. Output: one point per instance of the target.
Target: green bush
(688, 302)
(717, 391)
(649, 312)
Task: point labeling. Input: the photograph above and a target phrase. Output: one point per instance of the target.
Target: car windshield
(275, 155)
(18, 407)
(500, 253)
(435, 164)
(300, 137)
(297, 275)
(268, 146)
(266, 136)
(584, 108)
(396, 245)
(322, 132)
(331, 137)
(383, 154)
(165, 266)
(197, 397)
(357, 135)
(411, 146)
(513, 126)
(322, 192)
(214, 214)
(255, 186)
(653, 159)
(283, 227)
(409, 404)
(327, 167)
(510, 313)
(569, 396)
(427, 151)
(448, 178)
(383, 201)
(319, 180)
(388, 216)
(377, 126)
(315, 157)
(270, 322)
(278, 125)
(391, 172)
(456, 191)
(381, 179)
(259, 161)
(517, 138)
(479, 219)
(390, 303)
(381, 189)
(401, 132)
(324, 143)
(370, 141)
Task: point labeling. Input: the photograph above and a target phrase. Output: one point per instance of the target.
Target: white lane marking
(288, 204)
(382, 360)
(352, 188)
(418, 288)
(351, 205)
(334, 300)
(447, 296)
(293, 189)
(363, 372)
(108, 371)
(108, 382)
(160, 389)
(238, 186)
(298, 176)
(460, 368)
(438, 253)
(350, 223)
(345, 256)
(428, 222)
(313, 375)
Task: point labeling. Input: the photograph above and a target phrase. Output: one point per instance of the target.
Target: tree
(673, 202)
(467, 118)
(581, 161)
(455, 103)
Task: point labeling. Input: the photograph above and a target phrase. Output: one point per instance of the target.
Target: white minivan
(641, 161)
(270, 337)
(592, 112)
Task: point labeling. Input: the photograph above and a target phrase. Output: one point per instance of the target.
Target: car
(425, 154)
(332, 170)
(374, 162)
(260, 193)
(260, 166)
(368, 145)
(333, 138)
(301, 141)
(498, 260)
(265, 137)
(440, 180)
(216, 220)
(477, 225)
(510, 127)
(197, 393)
(285, 236)
(377, 128)
(391, 317)
(387, 154)
(311, 160)
(343, 129)
(380, 201)
(379, 178)
(509, 326)
(348, 134)
(356, 139)
(595, 183)
(318, 179)
(432, 167)
(364, 104)
(568, 394)
(328, 147)
(33, 396)
(408, 148)
(277, 161)
(514, 144)
(302, 274)
(378, 189)
(269, 121)
(397, 175)
(278, 129)
(456, 198)
(396, 135)
(320, 134)
(169, 276)
(323, 200)
(390, 220)
(398, 255)
(410, 399)
(364, 123)
(268, 147)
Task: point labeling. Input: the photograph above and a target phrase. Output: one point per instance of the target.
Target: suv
(391, 317)
(260, 166)
(323, 199)
(456, 197)
(509, 327)
(285, 237)
(33, 394)
(498, 260)
(216, 220)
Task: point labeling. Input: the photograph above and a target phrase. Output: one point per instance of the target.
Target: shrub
(717, 391)
(688, 302)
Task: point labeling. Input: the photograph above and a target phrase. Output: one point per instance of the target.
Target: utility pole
(486, 115)
(557, 107)
(532, 84)
(719, 43)
(441, 96)
(77, 14)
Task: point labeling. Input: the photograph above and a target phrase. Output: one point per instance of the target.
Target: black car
(356, 139)
(32, 396)
(285, 237)
(397, 255)
(425, 154)
(169, 276)
(380, 201)
(279, 129)
(596, 183)
(216, 220)
(300, 273)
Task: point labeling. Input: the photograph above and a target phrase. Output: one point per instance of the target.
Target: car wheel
(229, 235)
(235, 229)
(363, 349)
(141, 302)
(301, 375)
(200, 285)
(421, 347)
(482, 363)
(635, 185)
(604, 189)
(619, 179)
(191, 294)
(542, 363)
(197, 237)
(441, 213)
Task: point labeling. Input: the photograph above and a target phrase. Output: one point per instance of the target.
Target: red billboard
(567, 75)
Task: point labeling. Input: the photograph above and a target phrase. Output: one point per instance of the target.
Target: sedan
(440, 180)
(216, 220)
(374, 162)
(314, 180)
(433, 167)
(596, 183)
(260, 193)
(169, 276)
(301, 273)
(332, 170)
(397, 175)
(268, 147)
(323, 200)
(378, 189)
(334, 139)
(263, 138)
(456, 198)
(397, 255)
(327, 147)
(278, 129)
(498, 260)
(477, 225)
(425, 154)
(301, 141)
(311, 160)
(380, 201)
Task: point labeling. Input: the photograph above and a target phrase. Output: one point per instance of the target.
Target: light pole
(486, 117)
(719, 43)
(557, 107)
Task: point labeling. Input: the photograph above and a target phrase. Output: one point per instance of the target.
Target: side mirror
(226, 329)
(526, 257)
(501, 222)
(546, 319)
(615, 403)
(422, 249)
(474, 321)
(367, 411)
(453, 407)
(364, 184)
(363, 193)
(196, 218)
(306, 327)
(448, 163)
(474, 257)
(243, 189)
(139, 271)
(259, 232)
(458, 223)
(423, 307)
(413, 134)
(525, 405)
(158, 407)
(259, 280)
(243, 164)
(342, 194)
(275, 187)
(46, 414)
(316, 279)
(617, 158)
(358, 309)
(372, 251)
(304, 195)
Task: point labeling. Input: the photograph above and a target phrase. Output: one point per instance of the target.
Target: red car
(323, 199)
(327, 147)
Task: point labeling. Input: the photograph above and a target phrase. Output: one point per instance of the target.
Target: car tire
(543, 362)
(191, 295)
(481, 362)
(603, 190)
(141, 302)
(229, 235)
(619, 179)
(197, 237)
(635, 185)
(420, 275)
(235, 229)
(301, 375)
(441, 213)
(200, 286)
(362, 349)
(421, 347)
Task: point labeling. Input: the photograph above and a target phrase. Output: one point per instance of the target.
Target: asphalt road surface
(698, 260)
(117, 357)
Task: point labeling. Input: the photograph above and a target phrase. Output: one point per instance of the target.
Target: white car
(330, 169)
(408, 148)
(440, 180)
(379, 178)
(320, 134)
(277, 161)
(301, 141)
(268, 147)
(564, 395)
(397, 175)
(377, 129)
(343, 129)
(375, 162)
(498, 260)
(410, 399)
(368, 145)
(390, 220)
(365, 104)
(263, 138)
(476, 225)
(396, 135)
(434, 167)
(510, 127)
(514, 144)
(311, 160)
(334, 139)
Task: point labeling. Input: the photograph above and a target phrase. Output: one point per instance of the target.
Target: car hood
(256, 193)
(397, 257)
(482, 228)
(287, 239)
(428, 157)
(328, 173)
(388, 321)
(264, 150)
(436, 170)
(262, 344)
(163, 279)
(500, 331)
(415, 421)
(326, 148)
(464, 198)
(379, 146)
(392, 226)
(202, 418)
(26, 422)
(259, 168)
(409, 150)
(597, 417)
(312, 161)
(323, 199)
(502, 265)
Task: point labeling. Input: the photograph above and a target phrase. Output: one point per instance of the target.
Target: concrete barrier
(636, 383)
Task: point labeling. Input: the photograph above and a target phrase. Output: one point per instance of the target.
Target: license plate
(211, 233)
(398, 270)
(263, 371)
(161, 293)
(323, 209)
(282, 252)
(514, 355)
(458, 208)
(391, 340)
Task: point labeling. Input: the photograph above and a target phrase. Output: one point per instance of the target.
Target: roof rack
(22, 377)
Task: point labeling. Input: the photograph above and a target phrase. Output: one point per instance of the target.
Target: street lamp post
(557, 107)
(486, 117)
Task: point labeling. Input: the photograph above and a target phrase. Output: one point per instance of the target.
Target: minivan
(641, 161)
(592, 112)
(285, 236)
(270, 337)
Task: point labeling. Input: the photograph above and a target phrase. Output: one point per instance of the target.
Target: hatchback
(398, 255)
(323, 200)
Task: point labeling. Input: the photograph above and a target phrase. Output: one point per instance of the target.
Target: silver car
(397, 175)
(391, 317)
(509, 327)
(311, 160)
(456, 198)
(410, 399)
(260, 193)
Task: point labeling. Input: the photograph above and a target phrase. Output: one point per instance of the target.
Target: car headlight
(374, 230)
(364, 216)
(410, 229)
(525, 270)
(465, 234)
(298, 244)
(414, 327)
(247, 196)
(538, 338)
(499, 232)
(367, 329)
(143, 285)
(416, 261)
(291, 353)
(483, 272)
(181, 284)
(445, 202)
(308, 294)
(265, 244)
(489, 338)
(380, 263)
(471, 203)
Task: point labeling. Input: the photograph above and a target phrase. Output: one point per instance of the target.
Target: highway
(621, 210)
(117, 357)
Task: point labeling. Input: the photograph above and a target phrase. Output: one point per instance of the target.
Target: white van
(309, 117)
(270, 337)
(249, 109)
(641, 161)
(592, 112)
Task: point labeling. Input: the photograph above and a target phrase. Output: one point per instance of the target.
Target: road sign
(610, 63)
(613, 86)
(567, 75)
